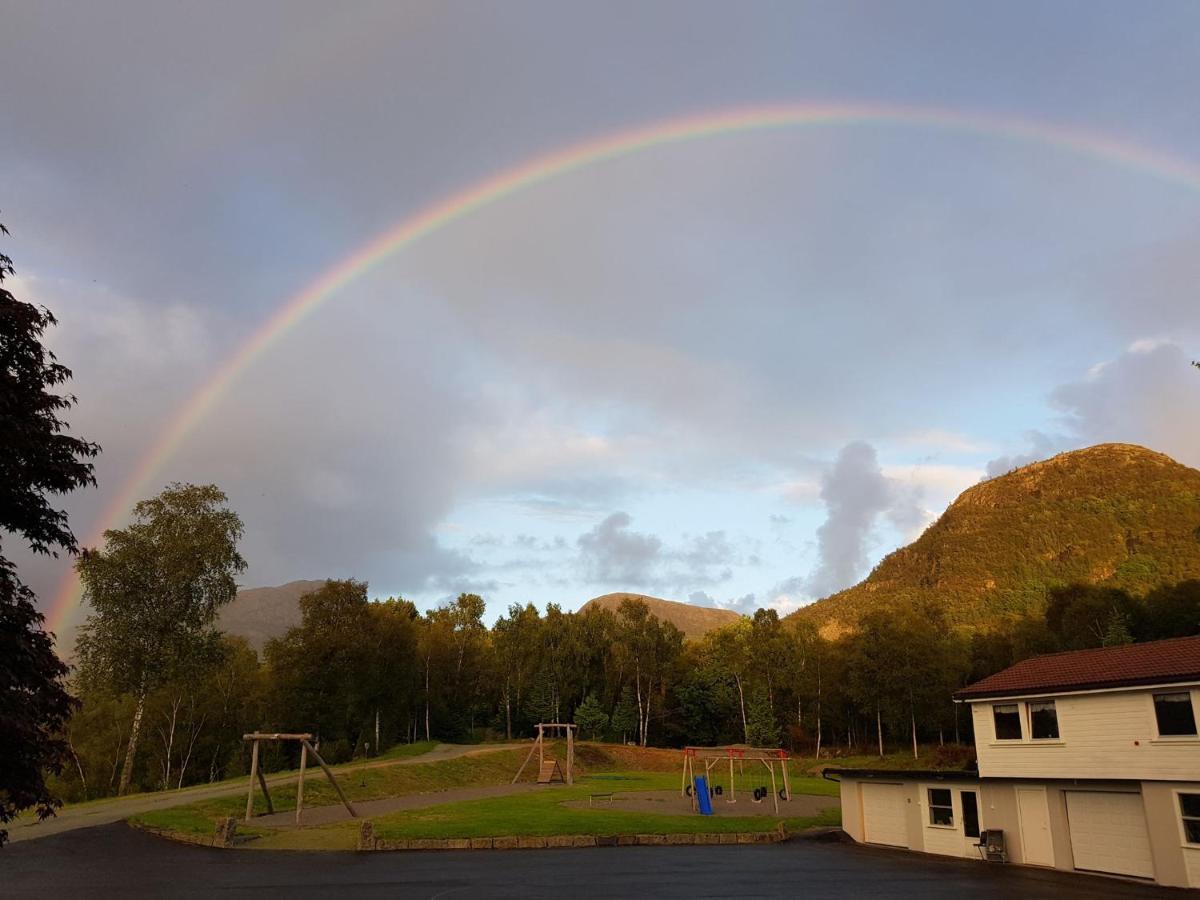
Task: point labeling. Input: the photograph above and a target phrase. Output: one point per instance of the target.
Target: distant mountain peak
(1112, 514)
(694, 621)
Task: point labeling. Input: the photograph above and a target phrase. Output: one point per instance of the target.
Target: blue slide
(702, 796)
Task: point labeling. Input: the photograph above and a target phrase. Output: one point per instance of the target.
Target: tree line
(166, 697)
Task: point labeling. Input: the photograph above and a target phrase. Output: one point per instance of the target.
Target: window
(1175, 714)
(941, 808)
(1008, 721)
(970, 805)
(1043, 720)
(1189, 809)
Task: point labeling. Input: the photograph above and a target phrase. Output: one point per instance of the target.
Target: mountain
(1114, 514)
(693, 621)
(259, 614)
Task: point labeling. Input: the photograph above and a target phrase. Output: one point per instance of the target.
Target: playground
(555, 786)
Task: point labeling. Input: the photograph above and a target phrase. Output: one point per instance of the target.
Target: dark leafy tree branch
(37, 459)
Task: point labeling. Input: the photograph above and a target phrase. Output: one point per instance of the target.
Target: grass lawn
(607, 767)
(363, 784)
(543, 813)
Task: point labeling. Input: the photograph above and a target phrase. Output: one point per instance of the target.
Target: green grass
(363, 784)
(404, 751)
(543, 813)
(539, 813)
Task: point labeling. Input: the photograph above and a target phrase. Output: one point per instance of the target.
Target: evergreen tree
(590, 716)
(625, 716)
(761, 725)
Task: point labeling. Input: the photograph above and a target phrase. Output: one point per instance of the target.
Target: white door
(1034, 815)
(885, 819)
(1108, 833)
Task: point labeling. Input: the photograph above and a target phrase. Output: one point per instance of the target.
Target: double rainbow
(565, 161)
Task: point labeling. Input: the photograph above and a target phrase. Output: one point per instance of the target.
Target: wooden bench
(593, 798)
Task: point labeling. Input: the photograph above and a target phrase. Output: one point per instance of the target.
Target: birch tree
(155, 590)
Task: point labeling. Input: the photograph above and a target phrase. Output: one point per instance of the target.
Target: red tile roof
(1156, 662)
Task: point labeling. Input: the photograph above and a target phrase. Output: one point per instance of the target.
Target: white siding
(1101, 735)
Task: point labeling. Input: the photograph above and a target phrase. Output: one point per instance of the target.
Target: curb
(367, 841)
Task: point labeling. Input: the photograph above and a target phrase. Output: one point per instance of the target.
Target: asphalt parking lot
(117, 861)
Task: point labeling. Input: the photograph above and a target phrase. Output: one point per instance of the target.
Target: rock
(481, 843)
(366, 835)
(225, 833)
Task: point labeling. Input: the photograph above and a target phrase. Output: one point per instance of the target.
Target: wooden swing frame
(539, 746)
(713, 755)
(306, 748)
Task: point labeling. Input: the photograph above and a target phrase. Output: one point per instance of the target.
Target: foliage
(762, 728)
(37, 458)
(154, 592)
(590, 716)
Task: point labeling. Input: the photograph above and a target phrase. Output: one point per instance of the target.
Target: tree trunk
(914, 732)
(377, 731)
(507, 712)
(427, 731)
(191, 746)
(879, 728)
(135, 730)
(742, 704)
(78, 764)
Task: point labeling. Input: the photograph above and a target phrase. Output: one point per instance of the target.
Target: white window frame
(1021, 724)
(929, 807)
(1053, 701)
(1180, 817)
(1175, 738)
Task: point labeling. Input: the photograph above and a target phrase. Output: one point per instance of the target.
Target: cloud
(1148, 395)
(1041, 446)
(612, 553)
(744, 605)
(855, 492)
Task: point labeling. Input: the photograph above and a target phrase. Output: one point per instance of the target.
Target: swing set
(711, 756)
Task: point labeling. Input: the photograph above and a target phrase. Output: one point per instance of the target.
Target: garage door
(884, 819)
(1108, 833)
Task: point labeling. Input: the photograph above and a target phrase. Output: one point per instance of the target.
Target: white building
(1087, 760)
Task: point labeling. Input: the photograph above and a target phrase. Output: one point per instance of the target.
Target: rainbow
(567, 160)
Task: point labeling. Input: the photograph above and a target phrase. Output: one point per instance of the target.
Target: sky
(735, 370)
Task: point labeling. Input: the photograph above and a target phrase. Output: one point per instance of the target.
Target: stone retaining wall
(368, 841)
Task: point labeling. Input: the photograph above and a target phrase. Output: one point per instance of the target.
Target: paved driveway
(116, 861)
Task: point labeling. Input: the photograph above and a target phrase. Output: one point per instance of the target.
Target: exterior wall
(1175, 863)
(1106, 735)
(852, 810)
(852, 818)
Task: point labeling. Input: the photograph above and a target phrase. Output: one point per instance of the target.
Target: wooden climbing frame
(712, 755)
(306, 748)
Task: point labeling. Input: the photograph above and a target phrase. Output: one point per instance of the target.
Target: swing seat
(549, 771)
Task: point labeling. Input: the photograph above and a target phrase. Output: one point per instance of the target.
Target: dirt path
(325, 815)
(101, 812)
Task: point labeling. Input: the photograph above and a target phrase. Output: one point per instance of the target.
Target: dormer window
(1175, 715)
(1007, 717)
(1043, 720)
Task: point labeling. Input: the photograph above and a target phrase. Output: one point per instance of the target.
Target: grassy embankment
(601, 768)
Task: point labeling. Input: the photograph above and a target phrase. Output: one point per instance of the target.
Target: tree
(590, 716)
(155, 591)
(762, 728)
(37, 458)
(625, 716)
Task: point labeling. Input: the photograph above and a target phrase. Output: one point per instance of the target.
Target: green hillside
(1114, 514)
